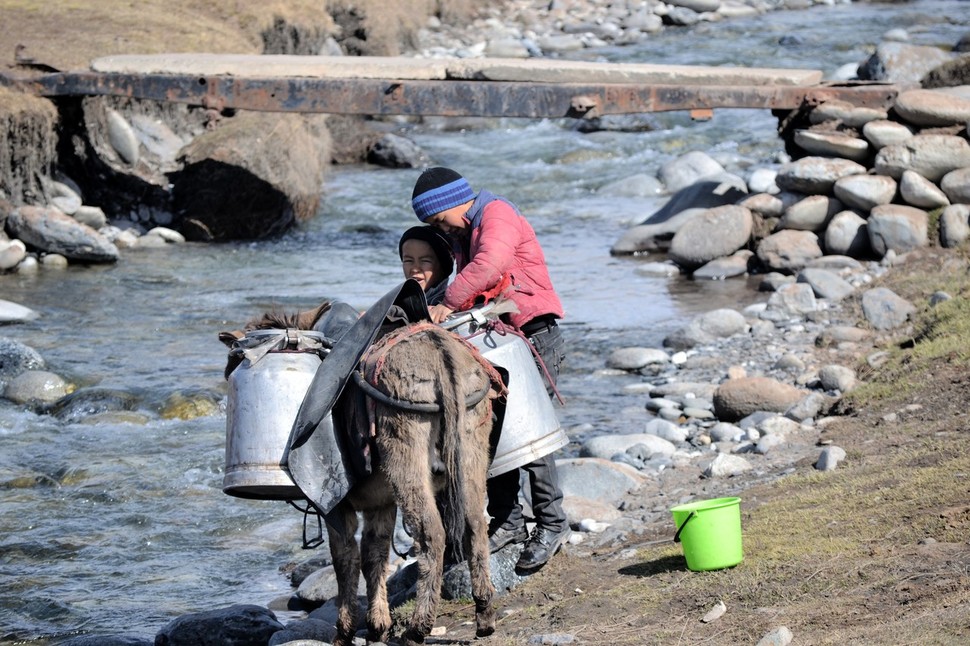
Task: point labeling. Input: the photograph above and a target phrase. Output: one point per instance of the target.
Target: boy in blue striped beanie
(439, 189)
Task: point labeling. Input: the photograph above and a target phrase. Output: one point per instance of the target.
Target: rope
(471, 401)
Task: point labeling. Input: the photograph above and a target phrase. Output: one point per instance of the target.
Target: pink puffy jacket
(503, 243)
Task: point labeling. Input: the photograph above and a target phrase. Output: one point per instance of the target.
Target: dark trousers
(503, 490)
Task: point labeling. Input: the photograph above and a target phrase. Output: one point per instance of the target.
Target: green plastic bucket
(710, 533)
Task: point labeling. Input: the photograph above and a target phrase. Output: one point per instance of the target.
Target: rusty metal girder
(443, 97)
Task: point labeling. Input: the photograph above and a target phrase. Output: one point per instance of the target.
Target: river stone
(862, 192)
(666, 430)
(795, 299)
(954, 226)
(841, 333)
(897, 228)
(810, 214)
(735, 399)
(816, 175)
(65, 198)
(157, 139)
(836, 262)
(601, 479)
(35, 386)
(11, 312)
(835, 377)
(639, 185)
(932, 156)
(636, 358)
(92, 216)
(737, 264)
(309, 631)
(606, 446)
(395, 151)
(16, 358)
(825, 284)
(902, 63)
(87, 402)
(12, 252)
(920, 192)
(717, 232)
(700, 6)
(705, 328)
(688, 169)
(681, 17)
(832, 144)
(848, 234)
(764, 204)
(725, 466)
(932, 108)
(50, 230)
(725, 432)
(762, 180)
(956, 185)
(122, 137)
(884, 133)
(829, 458)
(884, 309)
(788, 250)
(846, 113)
(239, 625)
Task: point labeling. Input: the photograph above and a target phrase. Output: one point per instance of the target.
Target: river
(120, 526)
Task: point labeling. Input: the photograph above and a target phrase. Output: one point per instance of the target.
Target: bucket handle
(683, 525)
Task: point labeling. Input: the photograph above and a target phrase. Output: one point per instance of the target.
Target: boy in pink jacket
(498, 252)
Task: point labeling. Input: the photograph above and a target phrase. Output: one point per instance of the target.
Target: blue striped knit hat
(439, 189)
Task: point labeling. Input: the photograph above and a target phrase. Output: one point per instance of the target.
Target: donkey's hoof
(484, 631)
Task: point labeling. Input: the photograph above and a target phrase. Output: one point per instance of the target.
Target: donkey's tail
(453, 447)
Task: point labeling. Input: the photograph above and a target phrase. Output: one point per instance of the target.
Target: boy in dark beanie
(426, 256)
(498, 253)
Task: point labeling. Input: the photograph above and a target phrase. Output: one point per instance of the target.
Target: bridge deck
(532, 88)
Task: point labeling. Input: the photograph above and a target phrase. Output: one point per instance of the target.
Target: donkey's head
(270, 321)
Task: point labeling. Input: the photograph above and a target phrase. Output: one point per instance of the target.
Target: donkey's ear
(228, 338)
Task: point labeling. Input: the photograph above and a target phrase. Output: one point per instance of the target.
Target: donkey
(429, 413)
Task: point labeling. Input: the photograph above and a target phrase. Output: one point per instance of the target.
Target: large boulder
(251, 177)
(658, 229)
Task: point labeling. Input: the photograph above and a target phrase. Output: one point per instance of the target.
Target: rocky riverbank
(737, 396)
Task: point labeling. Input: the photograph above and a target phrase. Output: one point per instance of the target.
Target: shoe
(504, 536)
(541, 546)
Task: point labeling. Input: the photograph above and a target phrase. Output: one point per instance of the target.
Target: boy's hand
(439, 313)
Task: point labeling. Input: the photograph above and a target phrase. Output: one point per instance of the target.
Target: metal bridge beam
(443, 97)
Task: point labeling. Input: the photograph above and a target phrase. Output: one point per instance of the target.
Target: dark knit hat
(439, 242)
(439, 189)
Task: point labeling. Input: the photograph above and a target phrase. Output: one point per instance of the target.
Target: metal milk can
(265, 394)
(530, 429)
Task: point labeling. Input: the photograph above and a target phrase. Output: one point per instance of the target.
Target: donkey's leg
(375, 545)
(346, 566)
(421, 515)
(476, 547)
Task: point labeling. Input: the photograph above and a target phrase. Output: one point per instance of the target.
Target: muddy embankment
(80, 167)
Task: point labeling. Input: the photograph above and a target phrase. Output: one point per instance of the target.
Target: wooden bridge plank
(541, 70)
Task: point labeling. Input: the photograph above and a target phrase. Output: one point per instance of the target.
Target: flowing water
(118, 527)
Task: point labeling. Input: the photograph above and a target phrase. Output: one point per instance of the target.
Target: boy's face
(451, 221)
(419, 261)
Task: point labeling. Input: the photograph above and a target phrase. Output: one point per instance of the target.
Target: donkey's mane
(278, 319)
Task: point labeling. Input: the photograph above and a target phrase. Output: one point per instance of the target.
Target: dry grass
(69, 34)
(874, 553)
